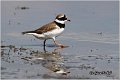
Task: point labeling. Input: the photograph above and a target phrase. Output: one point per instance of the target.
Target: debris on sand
(21, 7)
(10, 46)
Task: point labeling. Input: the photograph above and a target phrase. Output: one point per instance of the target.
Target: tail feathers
(28, 32)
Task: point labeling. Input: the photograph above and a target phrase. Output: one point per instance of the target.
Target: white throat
(62, 22)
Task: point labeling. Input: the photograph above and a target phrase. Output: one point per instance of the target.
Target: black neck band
(60, 25)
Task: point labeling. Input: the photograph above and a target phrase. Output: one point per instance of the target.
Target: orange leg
(60, 45)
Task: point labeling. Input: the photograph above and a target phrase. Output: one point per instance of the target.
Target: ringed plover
(50, 30)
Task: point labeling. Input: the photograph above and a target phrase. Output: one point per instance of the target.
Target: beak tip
(69, 20)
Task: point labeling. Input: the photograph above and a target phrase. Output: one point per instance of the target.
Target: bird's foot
(60, 45)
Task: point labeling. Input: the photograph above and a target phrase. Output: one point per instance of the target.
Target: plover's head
(61, 18)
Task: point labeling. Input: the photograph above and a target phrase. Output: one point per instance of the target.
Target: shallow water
(92, 37)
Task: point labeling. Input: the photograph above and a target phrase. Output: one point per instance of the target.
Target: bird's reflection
(56, 67)
(46, 55)
(52, 61)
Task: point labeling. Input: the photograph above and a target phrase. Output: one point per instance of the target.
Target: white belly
(54, 33)
(49, 34)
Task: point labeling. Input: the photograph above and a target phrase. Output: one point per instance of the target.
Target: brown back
(46, 28)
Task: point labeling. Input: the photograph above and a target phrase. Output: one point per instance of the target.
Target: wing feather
(46, 28)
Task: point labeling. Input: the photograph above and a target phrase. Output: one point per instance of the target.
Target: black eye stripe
(62, 18)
